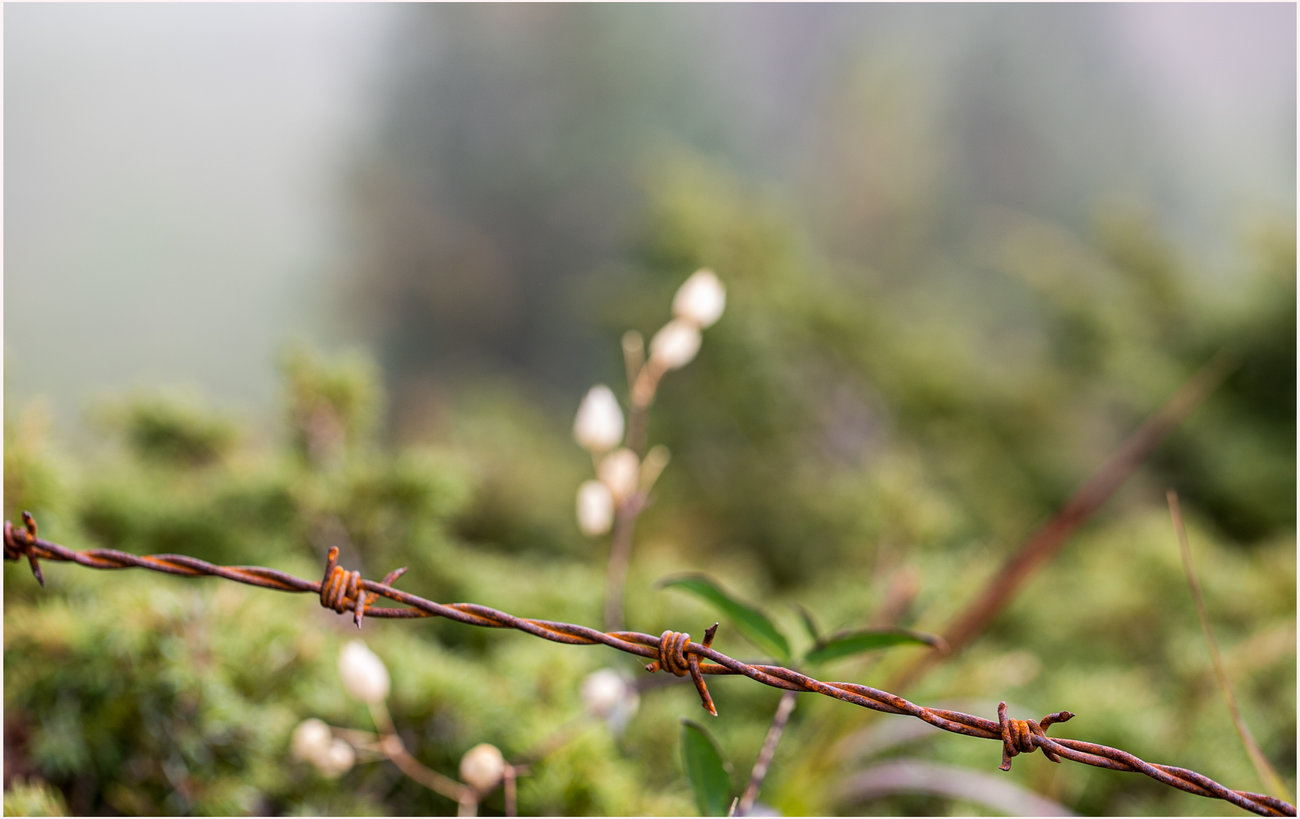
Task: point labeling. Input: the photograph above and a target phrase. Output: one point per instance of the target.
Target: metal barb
(1018, 735)
(693, 660)
(343, 591)
(677, 654)
(19, 541)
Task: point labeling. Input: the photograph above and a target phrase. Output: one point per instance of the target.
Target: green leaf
(856, 642)
(809, 624)
(752, 623)
(705, 770)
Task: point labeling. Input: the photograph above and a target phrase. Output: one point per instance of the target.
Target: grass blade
(809, 624)
(870, 639)
(1257, 758)
(753, 624)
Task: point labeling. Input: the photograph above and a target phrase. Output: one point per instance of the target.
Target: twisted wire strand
(674, 652)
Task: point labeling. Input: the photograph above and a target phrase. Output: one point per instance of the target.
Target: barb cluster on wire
(345, 591)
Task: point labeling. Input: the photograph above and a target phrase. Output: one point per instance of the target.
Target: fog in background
(188, 187)
(172, 190)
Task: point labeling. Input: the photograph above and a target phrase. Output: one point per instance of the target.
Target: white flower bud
(620, 471)
(364, 675)
(611, 696)
(595, 508)
(482, 767)
(310, 740)
(598, 426)
(700, 300)
(607, 692)
(337, 759)
(675, 344)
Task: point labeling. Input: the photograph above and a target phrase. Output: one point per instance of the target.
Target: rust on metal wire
(343, 591)
(1018, 734)
(673, 657)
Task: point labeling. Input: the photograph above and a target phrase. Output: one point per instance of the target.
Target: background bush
(830, 448)
(967, 249)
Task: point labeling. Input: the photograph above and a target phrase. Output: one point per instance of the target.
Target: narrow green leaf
(809, 624)
(856, 642)
(705, 770)
(752, 624)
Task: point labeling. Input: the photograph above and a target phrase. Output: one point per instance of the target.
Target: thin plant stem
(620, 555)
(366, 742)
(508, 786)
(620, 546)
(764, 761)
(642, 395)
(633, 355)
(396, 751)
(643, 381)
(1266, 771)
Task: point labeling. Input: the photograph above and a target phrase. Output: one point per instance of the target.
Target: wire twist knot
(1018, 735)
(675, 656)
(342, 590)
(672, 656)
(19, 543)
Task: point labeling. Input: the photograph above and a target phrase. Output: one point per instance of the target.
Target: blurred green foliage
(943, 314)
(172, 430)
(902, 387)
(23, 798)
(834, 445)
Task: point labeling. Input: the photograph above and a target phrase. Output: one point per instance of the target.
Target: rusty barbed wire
(344, 591)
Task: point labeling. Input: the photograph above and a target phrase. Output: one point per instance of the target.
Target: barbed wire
(346, 591)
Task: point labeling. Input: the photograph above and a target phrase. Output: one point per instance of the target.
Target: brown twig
(671, 651)
(783, 710)
(620, 555)
(643, 378)
(1039, 547)
(392, 746)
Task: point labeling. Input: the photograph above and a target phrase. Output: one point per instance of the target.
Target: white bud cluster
(364, 675)
(698, 304)
(482, 767)
(312, 742)
(598, 426)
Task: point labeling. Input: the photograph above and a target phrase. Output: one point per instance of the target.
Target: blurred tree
(498, 205)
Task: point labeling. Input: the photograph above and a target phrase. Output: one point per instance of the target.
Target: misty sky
(174, 175)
